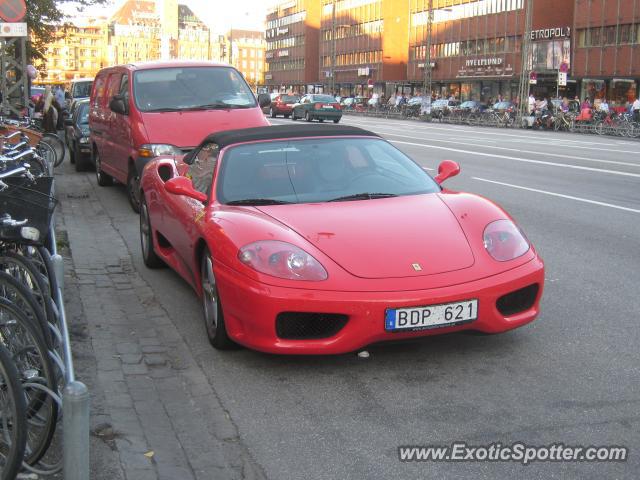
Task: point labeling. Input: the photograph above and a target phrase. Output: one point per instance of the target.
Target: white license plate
(327, 106)
(431, 316)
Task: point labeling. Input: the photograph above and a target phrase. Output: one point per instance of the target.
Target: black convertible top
(231, 137)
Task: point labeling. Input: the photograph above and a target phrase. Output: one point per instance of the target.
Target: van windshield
(191, 88)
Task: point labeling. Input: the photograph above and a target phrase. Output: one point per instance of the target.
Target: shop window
(596, 37)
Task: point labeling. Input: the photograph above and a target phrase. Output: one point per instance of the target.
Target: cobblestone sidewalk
(154, 414)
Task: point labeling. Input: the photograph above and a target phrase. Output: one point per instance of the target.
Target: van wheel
(133, 188)
(103, 179)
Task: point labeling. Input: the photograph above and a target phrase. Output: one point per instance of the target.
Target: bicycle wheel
(13, 418)
(30, 354)
(23, 270)
(58, 146)
(47, 154)
(20, 296)
(41, 259)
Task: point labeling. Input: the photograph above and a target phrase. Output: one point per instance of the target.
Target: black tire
(72, 157)
(273, 113)
(21, 297)
(103, 179)
(307, 116)
(212, 308)
(286, 115)
(336, 120)
(321, 120)
(293, 116)
(23, 270)
(30, 354)
(133, 188)
(14, 414)
(149, 255)
(81, 162)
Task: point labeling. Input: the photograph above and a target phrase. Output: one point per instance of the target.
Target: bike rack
(75, 394)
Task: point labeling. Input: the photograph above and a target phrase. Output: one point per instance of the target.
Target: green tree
(42, 18)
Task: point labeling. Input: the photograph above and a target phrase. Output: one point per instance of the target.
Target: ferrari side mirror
(184, 186)
(447, 169)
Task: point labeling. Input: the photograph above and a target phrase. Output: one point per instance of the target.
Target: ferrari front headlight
(504, 241)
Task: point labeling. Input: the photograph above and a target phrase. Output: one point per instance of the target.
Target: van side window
(124, 87)
(202, 169)
(113, 87)
(98, 92)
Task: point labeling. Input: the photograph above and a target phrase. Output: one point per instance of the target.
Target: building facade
(476, 47)
(78, 50)
(246, 51)
(607, 49)
(363, 46)
(292, 34)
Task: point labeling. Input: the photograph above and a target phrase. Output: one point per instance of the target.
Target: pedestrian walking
(49, 111)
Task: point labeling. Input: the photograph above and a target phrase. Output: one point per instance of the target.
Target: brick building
(476, 47)
(370, 45)
(606, 55)
(292, 34)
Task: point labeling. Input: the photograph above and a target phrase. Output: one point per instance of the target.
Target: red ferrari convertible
(318, 240)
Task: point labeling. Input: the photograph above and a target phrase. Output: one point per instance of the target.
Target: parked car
(472, 106)
(324, 240)
(77, 135)
(503, 106)
(36, 93)
(444, 105)
(79, 89)
(142, 110)
(282, 104)
(317, 107)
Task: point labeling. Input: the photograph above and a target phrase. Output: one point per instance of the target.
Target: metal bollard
(58, 265)
(75, 434)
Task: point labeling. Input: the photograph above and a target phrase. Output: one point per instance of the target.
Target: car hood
(187, 129)
(406, 236)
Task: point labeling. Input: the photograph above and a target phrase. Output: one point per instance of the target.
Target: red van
(144, 110)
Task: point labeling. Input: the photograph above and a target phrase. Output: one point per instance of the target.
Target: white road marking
(524, 160)
(532, 136)
(427, 168)
(570, 197)
(612, 162)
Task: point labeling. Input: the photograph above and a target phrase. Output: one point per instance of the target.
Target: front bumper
(250, 309)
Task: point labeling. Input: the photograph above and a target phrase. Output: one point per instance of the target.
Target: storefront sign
(363, 72)
(268, 76)
(282, 31)
(283, 53)
(549, 33)
(485, 67)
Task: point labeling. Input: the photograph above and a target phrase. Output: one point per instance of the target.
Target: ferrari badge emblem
(416, 267)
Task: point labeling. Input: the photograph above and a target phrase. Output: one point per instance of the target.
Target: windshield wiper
(164, 109)
(257, 201)
(363, 196)
(216, 105)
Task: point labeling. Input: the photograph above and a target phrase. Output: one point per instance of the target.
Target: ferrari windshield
(318, 170)
(191, 88)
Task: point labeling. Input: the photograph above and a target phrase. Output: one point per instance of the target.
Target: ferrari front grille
(518, 301)
(309, 326)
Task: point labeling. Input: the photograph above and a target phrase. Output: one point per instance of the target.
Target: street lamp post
(332, 72)
(427, 58)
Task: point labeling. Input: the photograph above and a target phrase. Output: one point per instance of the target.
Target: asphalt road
(571, 377)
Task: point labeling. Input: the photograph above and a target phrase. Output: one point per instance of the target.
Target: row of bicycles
(599, 123)
(32, 366)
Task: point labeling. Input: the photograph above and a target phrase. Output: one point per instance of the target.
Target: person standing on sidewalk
(532, 103)
(636, 110)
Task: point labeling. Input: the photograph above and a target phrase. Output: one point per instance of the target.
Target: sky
(220, 15)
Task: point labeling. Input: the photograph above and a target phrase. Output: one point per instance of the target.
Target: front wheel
(211, 307)
(336, 120)
(307, 116)
(149, 255)
(102, 178)
(133, 188)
